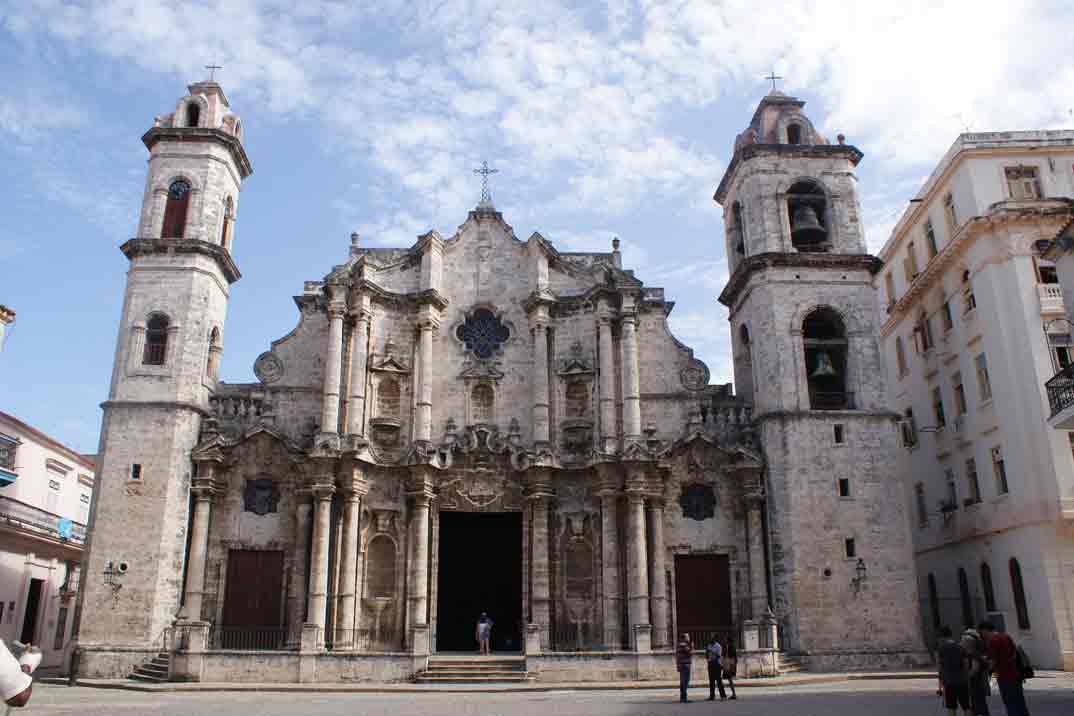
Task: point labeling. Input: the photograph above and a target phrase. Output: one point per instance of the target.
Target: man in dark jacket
(713, 654)
(954, 673)
(684, 655)
(1004, 657)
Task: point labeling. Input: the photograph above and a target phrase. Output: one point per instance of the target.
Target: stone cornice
(169, 404)
(810, 151)
(1002, 213)
(148, 247)
(201, 134)
(758, 262)
(429, 296)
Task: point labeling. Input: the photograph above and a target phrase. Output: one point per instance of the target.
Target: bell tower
(168, 349)
(804, 326)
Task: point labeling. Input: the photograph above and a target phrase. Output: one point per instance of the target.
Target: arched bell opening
(825, 345)
(807, 207)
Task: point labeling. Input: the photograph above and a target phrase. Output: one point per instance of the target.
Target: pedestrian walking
(953, 673)
(979, 670)
(684, 656)
(16, 685)
(730, 665)
(483, 633)
(1010, 666)
(713, 654)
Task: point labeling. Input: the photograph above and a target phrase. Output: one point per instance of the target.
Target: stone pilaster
(609, 553)
(296, 598)
(359, 355)
(608, 437)
(658, 599)
(541, 614)
(421, 495)
(333, 362)
(755, 535)
(429, 324)
(631, 377)
(322, 525)
(539, 327)
(346, 601)
(203, 490)
(637, 572)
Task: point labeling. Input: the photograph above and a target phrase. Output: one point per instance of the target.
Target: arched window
(193, 114)
(825, 344)
(212, 363)
(225, 225)
(934, 603)
(175, 210)
(481, 403)
(807, 207)
(986, 586)
(738, 234)
(388, 398)
(964, 594)
(1019, 590)
(156, 340)
(577, 399)
(794, 134)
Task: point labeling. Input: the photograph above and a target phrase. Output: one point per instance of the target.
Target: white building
(45, 493)
(971, 336)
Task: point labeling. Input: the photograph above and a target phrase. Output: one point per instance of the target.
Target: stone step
(476, 667)
(163, 663)
(477, 664)
(473, 674)
(136, 676)
(514, 679)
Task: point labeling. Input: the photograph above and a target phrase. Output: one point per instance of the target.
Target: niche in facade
(808, 209)
(825, 345)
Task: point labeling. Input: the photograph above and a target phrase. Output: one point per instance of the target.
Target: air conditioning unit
(999, 620)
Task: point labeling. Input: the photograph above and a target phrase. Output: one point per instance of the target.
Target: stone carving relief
(261, 496)
(268, 367)
(481, 490)
(695, 375)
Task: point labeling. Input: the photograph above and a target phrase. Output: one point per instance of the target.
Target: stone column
(359, 355)
(609, 543)
(607, 382)
(203, 490)
(541, 614)
(631, 380)
(348, 561)
(755, 535)
(424, 430)
(540, 379)
(638, 573)
(333, 362)
(418, 573)
(297, 598)
(658, 600)
(322, 525)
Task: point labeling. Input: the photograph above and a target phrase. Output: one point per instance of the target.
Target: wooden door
(703, 597)
(253, 599)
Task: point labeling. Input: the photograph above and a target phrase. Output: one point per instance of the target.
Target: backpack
(1022, 662)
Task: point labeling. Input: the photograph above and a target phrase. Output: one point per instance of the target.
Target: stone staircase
(155, 670)
(788, 664)
(465, 669)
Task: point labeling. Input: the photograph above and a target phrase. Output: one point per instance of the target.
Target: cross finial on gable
(212, 70)
(484, 171)
(772, 76)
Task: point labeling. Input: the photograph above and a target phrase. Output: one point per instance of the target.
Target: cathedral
(480, 423)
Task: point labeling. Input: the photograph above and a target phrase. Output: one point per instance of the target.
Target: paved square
(1053, 696)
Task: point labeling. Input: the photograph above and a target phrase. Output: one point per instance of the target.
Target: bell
(824, 368)
(805, 228)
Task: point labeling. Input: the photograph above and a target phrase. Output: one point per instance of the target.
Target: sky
(603, 119)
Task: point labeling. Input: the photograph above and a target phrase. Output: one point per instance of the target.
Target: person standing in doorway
(713, 654)
(954, 675)
(730, 665)
(684, 656)
(979, 670)
(1004, 657)
(483, 633)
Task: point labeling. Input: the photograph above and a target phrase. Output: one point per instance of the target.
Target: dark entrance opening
(253, 601)
(29, 620)
(703, 597)
(480, 571)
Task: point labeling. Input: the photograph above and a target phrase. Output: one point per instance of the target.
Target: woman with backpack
(1011, 668)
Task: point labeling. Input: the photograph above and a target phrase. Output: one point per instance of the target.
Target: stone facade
(483, 375)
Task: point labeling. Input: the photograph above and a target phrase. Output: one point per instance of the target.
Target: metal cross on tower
(773, 77)
(484, 171)
(212, 70)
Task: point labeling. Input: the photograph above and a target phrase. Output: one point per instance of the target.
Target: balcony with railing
(33, 520)
(1051, 297)
(1060, 389)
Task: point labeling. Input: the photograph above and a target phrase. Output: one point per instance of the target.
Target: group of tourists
(967, 665)
(722, 664)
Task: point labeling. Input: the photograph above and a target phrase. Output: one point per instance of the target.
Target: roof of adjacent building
(51, 442)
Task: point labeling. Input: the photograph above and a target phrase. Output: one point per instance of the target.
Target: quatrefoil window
(483, 333)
